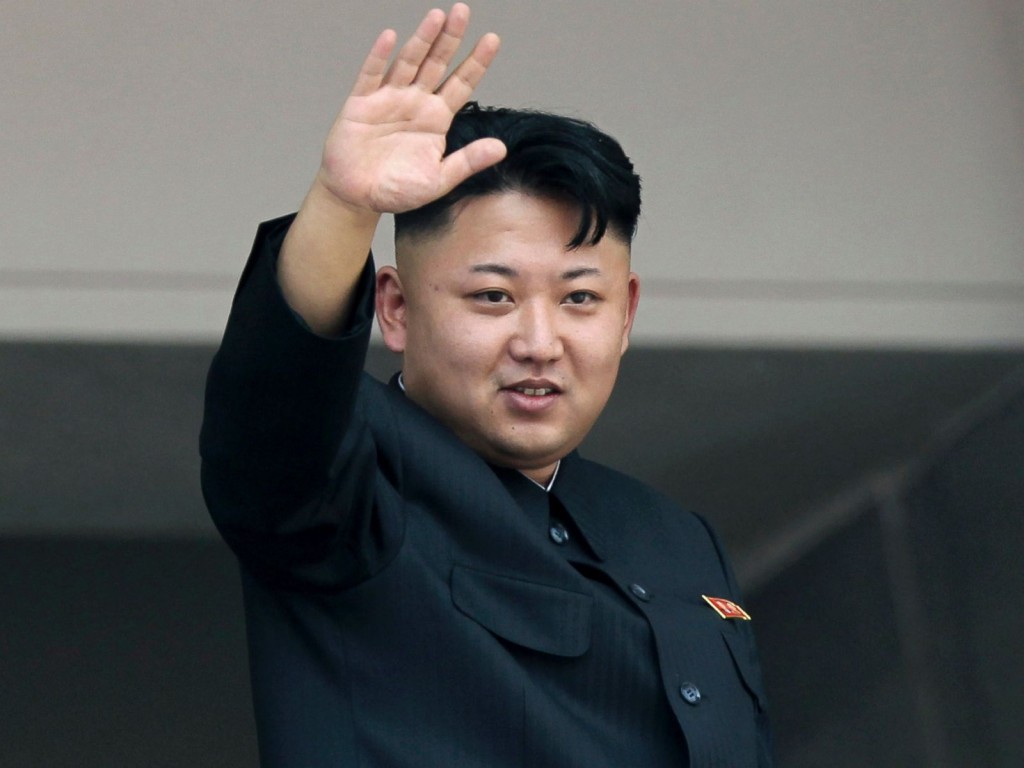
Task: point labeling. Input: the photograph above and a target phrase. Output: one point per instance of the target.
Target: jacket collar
(579, 489)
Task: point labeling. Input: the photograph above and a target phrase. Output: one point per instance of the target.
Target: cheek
(596, 363)
(466, 346)
(599, 346)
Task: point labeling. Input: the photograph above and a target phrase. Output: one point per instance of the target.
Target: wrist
(329, 206)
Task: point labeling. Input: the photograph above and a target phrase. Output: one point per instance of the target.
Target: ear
(391, 308)
(632, 302)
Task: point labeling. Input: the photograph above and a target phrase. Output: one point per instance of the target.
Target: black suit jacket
(405, 605)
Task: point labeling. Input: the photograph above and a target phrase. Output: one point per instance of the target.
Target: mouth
(535, 391)
(532, 396)
(534, 387)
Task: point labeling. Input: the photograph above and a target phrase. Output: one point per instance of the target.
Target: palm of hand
(385, 152)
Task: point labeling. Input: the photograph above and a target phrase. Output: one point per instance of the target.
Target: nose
(537, 338)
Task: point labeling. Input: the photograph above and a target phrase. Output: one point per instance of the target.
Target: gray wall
(838, 173)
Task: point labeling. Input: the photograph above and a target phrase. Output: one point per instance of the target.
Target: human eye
(581, 298)
(493, 296)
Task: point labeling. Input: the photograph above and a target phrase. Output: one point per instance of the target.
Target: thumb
(472, 158)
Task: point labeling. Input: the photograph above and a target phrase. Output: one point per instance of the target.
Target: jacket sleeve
(280, 400)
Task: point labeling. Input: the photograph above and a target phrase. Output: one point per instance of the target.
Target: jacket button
(558, 533)
(690, 694)
(639, 592)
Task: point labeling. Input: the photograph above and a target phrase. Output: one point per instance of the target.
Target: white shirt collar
(550, 482)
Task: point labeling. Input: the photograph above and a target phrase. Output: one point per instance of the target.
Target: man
(432, 574)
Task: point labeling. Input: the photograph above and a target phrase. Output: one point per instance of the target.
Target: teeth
(533, 392)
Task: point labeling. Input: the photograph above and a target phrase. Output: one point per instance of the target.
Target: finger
(460, 85)
(410, 57)
(370, 74)
(472, 158)
(439, 58)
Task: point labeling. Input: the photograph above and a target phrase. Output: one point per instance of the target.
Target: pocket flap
(542, 617)
(740, 650)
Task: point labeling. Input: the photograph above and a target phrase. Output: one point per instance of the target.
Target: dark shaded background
(872, 501)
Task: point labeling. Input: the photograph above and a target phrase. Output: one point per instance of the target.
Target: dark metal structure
(873, 502)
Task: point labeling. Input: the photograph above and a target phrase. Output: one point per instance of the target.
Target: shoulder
(642, 522)
(391, 415)
(625, 496)
(641, 525)
(412, 447)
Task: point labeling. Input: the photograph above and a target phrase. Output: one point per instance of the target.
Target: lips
(534, 388)
(534, 391)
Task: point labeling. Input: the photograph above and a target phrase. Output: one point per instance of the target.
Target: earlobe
(632, 302)
(391, 308)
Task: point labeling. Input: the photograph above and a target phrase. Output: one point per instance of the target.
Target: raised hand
(385, 152)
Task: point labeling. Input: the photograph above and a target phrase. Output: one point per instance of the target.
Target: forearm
(322, 257)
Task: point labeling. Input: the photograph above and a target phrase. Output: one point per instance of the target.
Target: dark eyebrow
(494, 269)
(507, 271)
(573, 274)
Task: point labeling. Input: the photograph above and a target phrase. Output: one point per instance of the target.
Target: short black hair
(548, 156)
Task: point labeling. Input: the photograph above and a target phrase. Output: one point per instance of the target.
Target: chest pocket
(541, 617)
(740, 651)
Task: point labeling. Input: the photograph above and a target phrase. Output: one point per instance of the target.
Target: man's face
(508, 338)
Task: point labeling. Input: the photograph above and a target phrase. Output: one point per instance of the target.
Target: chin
(527, 454)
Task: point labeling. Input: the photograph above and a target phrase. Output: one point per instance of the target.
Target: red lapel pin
(727, 609)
